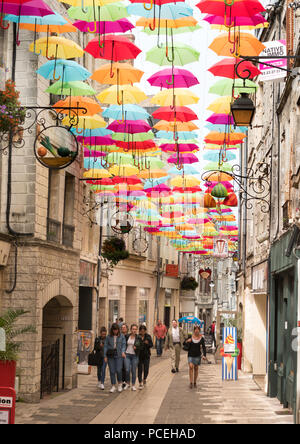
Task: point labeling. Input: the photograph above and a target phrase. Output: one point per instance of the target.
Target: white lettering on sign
(4, 417)
(6, 402)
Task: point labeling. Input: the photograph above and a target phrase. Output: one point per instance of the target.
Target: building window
(114, 311)
(53, 223)
(143, 311)
(68, 220)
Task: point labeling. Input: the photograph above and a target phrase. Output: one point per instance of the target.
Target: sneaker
(173, 370)
(120, 388)
(99, 384)
(102, 386)
(141, 387)
(125, 387)
(133, 388)
(145, 382)
(113, 389)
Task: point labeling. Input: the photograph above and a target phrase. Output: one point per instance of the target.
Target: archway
(57, 345)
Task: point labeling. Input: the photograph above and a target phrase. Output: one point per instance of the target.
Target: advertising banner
(275, 50)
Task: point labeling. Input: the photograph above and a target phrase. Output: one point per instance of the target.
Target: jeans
(143, 366)
(115, 367)
(131, 362)
(101, 372)
(159, 346)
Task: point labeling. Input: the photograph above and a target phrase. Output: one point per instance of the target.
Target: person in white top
(131, 360)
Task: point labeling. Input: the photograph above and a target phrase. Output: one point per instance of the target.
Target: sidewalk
(167, 399)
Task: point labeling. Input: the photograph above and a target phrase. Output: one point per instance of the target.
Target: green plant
(114, 250)
(7, 322)
(189, 283)
(11, 113)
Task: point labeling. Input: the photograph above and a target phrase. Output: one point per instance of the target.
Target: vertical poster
(229, 353)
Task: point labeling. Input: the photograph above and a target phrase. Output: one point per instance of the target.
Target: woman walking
(114, 352)
(124, 331)
(99, 348)
(194, 354)
(131, 359)
(144, 355)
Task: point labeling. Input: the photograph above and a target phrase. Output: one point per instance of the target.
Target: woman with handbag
(144, 355)
(131, 360)
(114, 353)
(193, 345)
(99, 350)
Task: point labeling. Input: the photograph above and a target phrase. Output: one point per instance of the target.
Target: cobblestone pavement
(167, 399)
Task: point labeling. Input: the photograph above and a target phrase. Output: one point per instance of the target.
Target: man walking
(174, 342)
(160, 331)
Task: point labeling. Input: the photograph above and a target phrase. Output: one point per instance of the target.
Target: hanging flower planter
(114, 250)
(188, 283)
(12, 115)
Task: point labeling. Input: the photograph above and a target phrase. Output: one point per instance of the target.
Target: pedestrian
(99, 348)
(121, 322)
(144, 354)
(194, 354)
(114, 352)
(124, 331)
(174, 341)
(213, 333)
(131, 359)
(160, 331)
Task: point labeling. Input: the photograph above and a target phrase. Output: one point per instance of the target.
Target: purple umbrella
(221, 119)
(183, 159)
(122, 25)
(130, 126)
(173, 78)
(181, 147)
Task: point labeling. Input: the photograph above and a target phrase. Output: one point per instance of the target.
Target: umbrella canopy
(224, 87)
(181, 55)
(247, 45)
(130, 126)
(116, 48)
(88, 122)
(227, 138)
(227, 68)
(164, 125)
(181, 113)
(221, 105)
(108, 13)
(67, 70)
(173, 78)
(122, 25)
(75, 88)
(181, 96)
(118, 73)
(34, 8)
(255, 21)
(57, 47)
(183, 159)
(125, 94)
(84, 3)
(235, 9)
(170, 11)
(90, 106)
(132, 112)
(179, 147)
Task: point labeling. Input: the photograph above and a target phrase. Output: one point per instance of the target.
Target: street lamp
(243, 110)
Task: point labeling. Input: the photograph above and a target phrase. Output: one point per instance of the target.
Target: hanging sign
(275, 50)
(220, 247)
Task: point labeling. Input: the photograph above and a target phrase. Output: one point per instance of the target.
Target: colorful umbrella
(245, 44)
(179, 96)
(119, 73)
(227, 68)
(130, 126)
(181, 114)
(116, 48)
(105, 27)
(225, 87)
(57, 48)
(66, 70)
(236, 8)
(110, 13)
(181, 54)
(221, 105)
(76, 88)
(173, 78)
(125, 94)
(132, 112)
(90, 106)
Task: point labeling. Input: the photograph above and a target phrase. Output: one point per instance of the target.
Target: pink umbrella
(238, 21)
(122, 25)
(96, 140)
(183, 159)
(161, 190)
(130, 126)
(173, 78)
(36, 8)
(181, 147)
(221, 119)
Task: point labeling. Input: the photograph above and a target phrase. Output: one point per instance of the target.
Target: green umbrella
(214, 166)
(120, 158)
(152, 163)
(75, 88)
(109, 13)
(179, 55)
(223, 87)
(139, 137)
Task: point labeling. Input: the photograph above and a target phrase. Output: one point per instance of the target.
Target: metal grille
(68, 235)
(53, 230)
(50, 369)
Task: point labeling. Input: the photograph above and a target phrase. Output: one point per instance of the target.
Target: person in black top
(99, 348)
(195, 343)
(144, 354)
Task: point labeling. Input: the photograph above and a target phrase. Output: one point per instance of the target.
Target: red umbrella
(131, 180)
(236, 8)
(146, 145)
(181, 113)
(192, 190)
(227, 68)
(130, 126)
(116, 48)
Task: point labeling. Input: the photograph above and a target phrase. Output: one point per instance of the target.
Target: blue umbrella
(67, 70)
(191, 320)
(53, 19)
(182, 135)
(169, 11)
(187, 170)
(132, 112)
(215, 156)
(99, 132)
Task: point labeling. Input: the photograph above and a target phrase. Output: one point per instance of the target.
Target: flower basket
(114, 250)
(189, 283)
(12, 115)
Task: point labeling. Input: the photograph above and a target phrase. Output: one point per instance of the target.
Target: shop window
(114, 311)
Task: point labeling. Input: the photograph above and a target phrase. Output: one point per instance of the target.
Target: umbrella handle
(1, 21)
(120, 102)
(101, 45)
(151, 6)
(229, 3)
(83, 9)
(158, 31)
(95, 28)
(54, 73)
(153, 27)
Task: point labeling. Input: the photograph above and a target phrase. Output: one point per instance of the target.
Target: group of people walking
(127, 353)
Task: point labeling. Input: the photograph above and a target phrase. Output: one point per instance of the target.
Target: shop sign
(275, 50)
(260, 278)
(172, 270)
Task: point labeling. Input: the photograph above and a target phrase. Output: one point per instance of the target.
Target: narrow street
(167, 399)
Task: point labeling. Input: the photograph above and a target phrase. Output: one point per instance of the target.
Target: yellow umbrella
(124, 94)
(180, 97)
(123, 170)
(97, 174)
(124, 74)
(245, 44)
(212, 146)
(88, 122)
(221, 105)
(186, 181)
(57, 48)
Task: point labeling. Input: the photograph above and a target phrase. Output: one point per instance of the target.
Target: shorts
(194, 361)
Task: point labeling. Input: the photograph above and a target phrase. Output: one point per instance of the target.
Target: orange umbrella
(221, 138)
(90, 105)
(57, 29)
(117, 74)
(178, 23)
(163, 125)
(245, 44)
(217, 176)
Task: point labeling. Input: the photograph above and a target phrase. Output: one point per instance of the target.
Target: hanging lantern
(243, 110)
